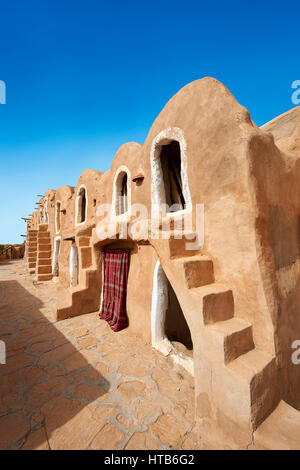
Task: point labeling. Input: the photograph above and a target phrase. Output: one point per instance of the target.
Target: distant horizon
(84, 78)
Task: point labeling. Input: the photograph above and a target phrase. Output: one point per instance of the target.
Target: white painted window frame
(158, 194)
(46, 213)
(116, 193)
(72, 267)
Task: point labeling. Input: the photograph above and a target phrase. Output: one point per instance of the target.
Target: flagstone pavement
(75, 384)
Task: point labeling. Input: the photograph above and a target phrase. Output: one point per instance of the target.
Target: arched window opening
(122, 193)
(58, 216)
(170, 160)
(123, 202)
(81, 206)
(55, 265)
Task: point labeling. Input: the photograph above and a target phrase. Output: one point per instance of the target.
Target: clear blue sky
(83, 77)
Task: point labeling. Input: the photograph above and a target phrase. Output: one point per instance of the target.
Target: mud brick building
(228, 310)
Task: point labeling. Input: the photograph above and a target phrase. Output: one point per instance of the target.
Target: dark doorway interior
(170, 159)
(176, 327)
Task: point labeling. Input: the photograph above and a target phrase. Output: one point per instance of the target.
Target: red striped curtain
(115, 272)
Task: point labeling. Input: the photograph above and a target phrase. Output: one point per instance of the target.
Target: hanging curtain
(115, 274)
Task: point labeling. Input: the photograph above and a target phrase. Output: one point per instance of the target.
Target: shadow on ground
(46, 381)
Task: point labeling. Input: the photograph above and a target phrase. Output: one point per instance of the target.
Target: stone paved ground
(75, 384)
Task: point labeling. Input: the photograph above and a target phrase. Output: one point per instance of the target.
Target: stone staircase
(32, 250)
(44, 254)
(233, 376)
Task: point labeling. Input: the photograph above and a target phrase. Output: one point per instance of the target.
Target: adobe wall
(50, 195)
(91, 180)
(66, 196)
(34, 222)
(278, 176)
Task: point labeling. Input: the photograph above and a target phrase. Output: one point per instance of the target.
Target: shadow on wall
(46, 381)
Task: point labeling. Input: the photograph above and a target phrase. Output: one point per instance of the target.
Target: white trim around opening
(55, 259)
(159, 308)
(158, 194)
(117, 183)
(77, 205)
(74, 273)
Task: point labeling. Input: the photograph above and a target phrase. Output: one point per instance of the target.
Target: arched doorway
(81, 205)
(169, 330)
(122, 193)
(73, 265)
(55, 264)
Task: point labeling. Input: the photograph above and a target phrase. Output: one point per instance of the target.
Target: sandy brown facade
(238, 291)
